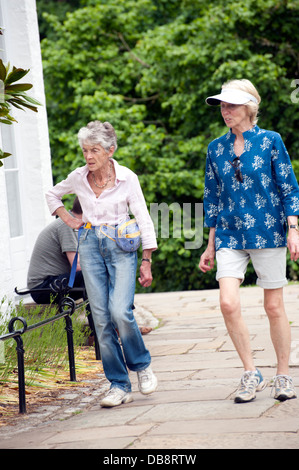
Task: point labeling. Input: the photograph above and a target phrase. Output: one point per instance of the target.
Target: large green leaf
(15, 75)
(3, 155)
(20, 104)
(2, 71)
(31, 100)
(6, 121)
(19, 87)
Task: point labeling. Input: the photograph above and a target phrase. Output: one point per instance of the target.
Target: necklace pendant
(108, 179)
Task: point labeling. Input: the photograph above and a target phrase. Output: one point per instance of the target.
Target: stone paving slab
(198, 372)
(219, 441)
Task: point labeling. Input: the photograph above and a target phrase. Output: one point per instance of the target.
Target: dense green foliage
(147, 66)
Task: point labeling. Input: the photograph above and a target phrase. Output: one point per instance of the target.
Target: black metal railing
(66, 308)
(60, 290)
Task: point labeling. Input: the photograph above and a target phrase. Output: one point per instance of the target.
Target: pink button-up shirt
(112, 206)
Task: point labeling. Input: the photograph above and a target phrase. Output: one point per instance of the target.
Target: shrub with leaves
(12, 94)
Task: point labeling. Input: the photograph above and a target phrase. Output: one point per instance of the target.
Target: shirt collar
(120, 173)
(251, 132)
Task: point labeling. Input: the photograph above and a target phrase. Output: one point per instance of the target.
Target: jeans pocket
(83, 235)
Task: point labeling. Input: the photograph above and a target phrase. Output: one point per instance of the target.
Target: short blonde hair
(248, 87)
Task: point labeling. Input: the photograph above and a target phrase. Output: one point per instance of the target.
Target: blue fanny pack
(126, 235)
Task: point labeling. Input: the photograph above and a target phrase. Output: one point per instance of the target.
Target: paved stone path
(198, 371)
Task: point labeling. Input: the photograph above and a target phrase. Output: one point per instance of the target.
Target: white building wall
(31, 142)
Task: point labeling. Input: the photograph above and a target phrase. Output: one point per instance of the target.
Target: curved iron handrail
(66, 308)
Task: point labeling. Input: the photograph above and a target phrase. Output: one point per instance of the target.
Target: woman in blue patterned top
(251, 196)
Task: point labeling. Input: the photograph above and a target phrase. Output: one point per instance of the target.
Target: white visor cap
(231, 95)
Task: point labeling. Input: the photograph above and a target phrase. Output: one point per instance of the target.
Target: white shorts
(269, 265)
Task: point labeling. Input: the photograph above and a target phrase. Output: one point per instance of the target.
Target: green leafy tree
(147, 66)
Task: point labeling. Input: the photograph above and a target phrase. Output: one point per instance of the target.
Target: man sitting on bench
(51, 262)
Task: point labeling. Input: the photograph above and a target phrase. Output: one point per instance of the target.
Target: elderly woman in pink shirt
(107, 191)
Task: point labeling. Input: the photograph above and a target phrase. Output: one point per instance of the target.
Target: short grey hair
(97, 132)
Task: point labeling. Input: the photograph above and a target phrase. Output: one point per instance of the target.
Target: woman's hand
(293, 244)
(207, 260)
(293, 238)
(146, 277)
(68, 219)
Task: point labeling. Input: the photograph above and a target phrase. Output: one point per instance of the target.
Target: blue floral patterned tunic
(251, 214)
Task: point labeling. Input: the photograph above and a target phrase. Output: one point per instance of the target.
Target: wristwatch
(146, 259)
(295, 227)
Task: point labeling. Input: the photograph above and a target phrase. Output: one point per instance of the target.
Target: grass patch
(45, 358)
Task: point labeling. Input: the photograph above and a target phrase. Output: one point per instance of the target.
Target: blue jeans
(109, 275)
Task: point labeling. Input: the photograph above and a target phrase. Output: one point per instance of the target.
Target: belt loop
(88, 226)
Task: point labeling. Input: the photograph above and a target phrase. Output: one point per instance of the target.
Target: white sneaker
(147, 381)
(251, 382)
(115, 397)
(284, 388)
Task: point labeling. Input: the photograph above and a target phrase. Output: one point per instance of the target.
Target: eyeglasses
(236, 165)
